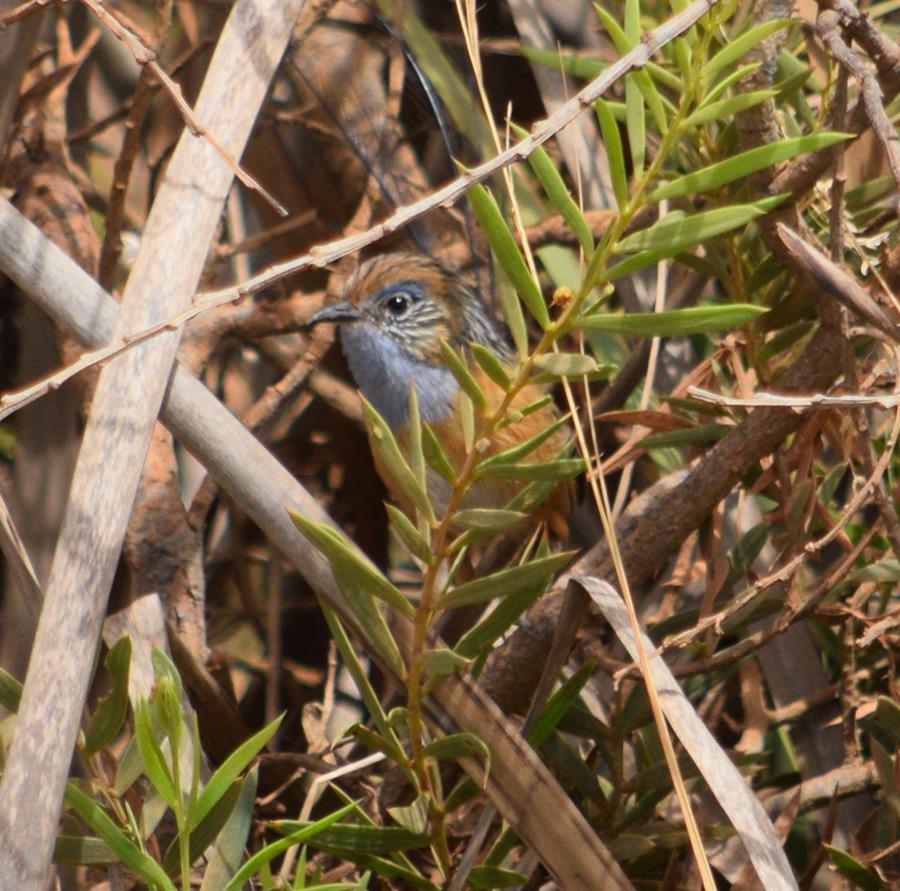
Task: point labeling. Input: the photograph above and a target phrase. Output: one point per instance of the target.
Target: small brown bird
(397, 308)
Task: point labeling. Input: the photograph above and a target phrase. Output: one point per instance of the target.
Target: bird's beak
(335, 312)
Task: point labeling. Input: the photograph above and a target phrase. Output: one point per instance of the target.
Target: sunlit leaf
(463, 376)
(558, 194)
(737, 48)
(346, 559)
(609, 131)
(507, 252)
(725, 108)
(408, 533)
(674, 322)
(676, 232)
(391, 464)
(506, 582)
(488, 519)
(745, 163)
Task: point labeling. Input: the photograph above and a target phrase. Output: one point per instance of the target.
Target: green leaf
(346, 559)
(494, 877)
(498, 621)
(582, 67)
(727, 81)
(204, 833)
(304, 833)
(408, 534)
(154, 763)
(558, 193)
(488, 519)
(887, 715)
(609, 131)
(463, 376)
(361, 678)
(506, 582)
(725, 108)
(635, 124)
(851, 868)
(10, 691)
(461, 745)
(414, 816)
(111, 712)
(736, 49)
(510, 455)
(441, 662)
(674, 322)
(566, 364)
(436, 456)
(560, 703)
(376, 742)
(676, 232)
(703, 433)
(227, 853)
(392, 464)
(507, 252)
(230, 769)
(491, 365)
(350, 841)
(82, 850)
(744, 164)
(126, 850)
(546, 471)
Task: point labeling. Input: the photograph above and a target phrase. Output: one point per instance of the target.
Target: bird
(395, 311)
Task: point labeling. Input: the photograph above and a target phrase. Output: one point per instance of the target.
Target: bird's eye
(397, 304)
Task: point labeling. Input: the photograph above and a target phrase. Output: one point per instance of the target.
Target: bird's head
(397, 308)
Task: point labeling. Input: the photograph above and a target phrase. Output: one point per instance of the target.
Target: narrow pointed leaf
(547, 471)
(226, 855)
(609, 130)
(558, 194)
(230, 769)
(507, 252)
(391, 463)
(361, 678)
(463, 376)
(725, 108)
(110, 714)
(495, 877)
(435, 455)
(736, 49)
(635, 124)
(506, 583)
(408, 534)
(413, 817)
(154, 764)
(490, 365)
(125, 849)
(303, 833)
(82, 850)
(416, 455)
(441, 662)
(488, 519)
(511, 455)
(350, 841)
(675, 232)
(744, 164)
(460, 745)
(674, 322)
(10, 691)
(727, 81)
(566, 364)
(344, 558)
